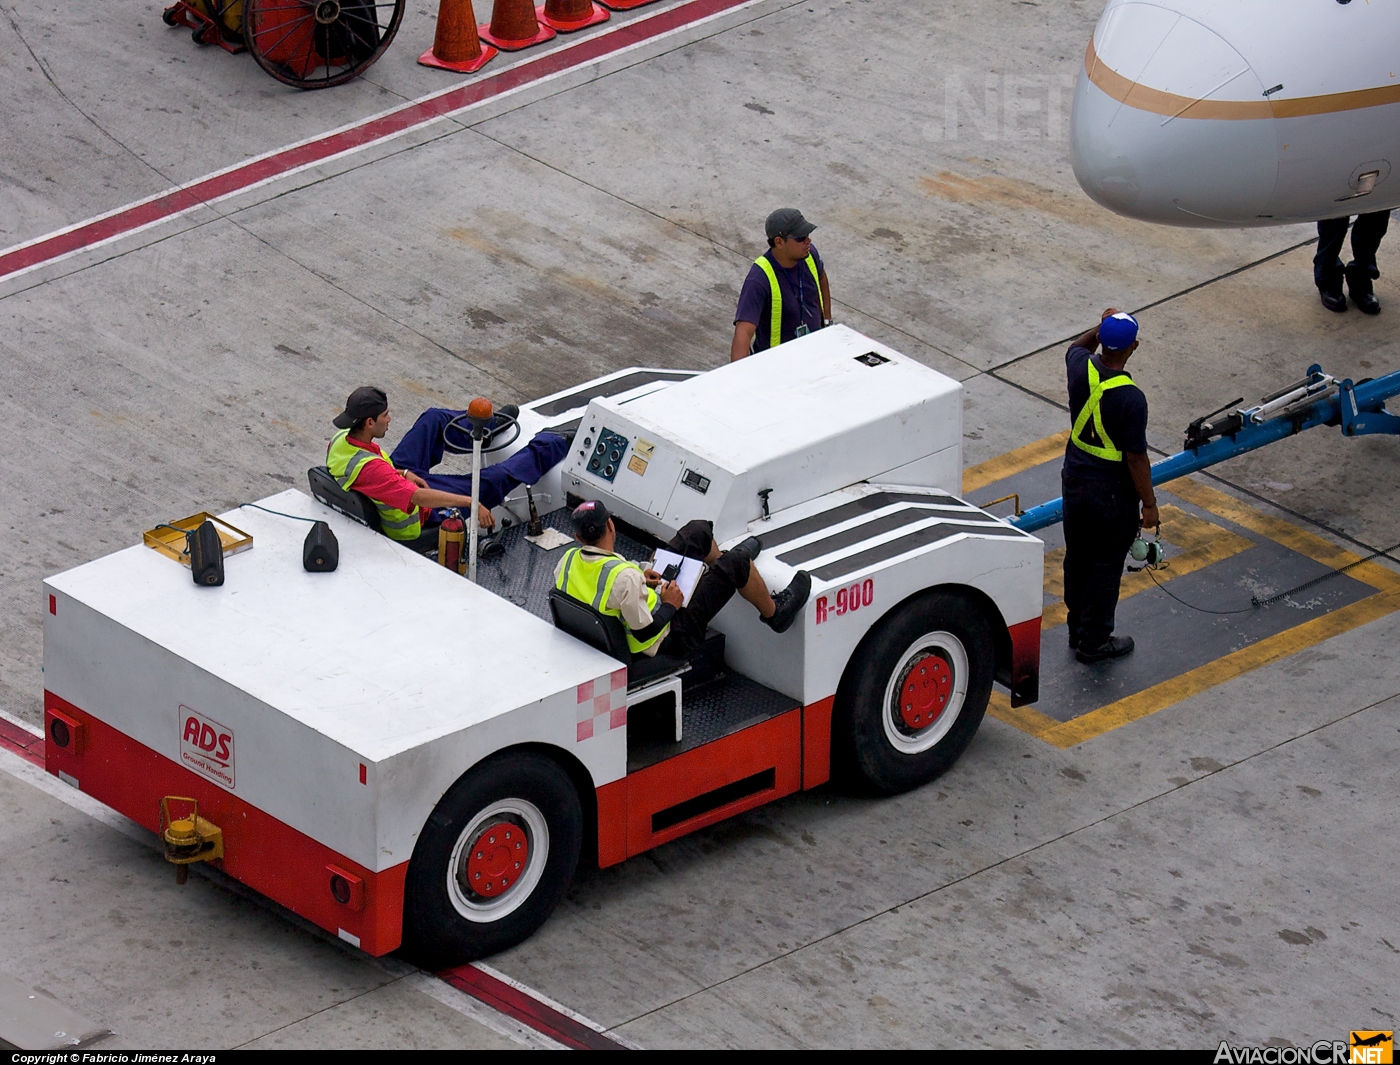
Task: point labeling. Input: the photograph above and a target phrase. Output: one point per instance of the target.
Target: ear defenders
(1148, 552)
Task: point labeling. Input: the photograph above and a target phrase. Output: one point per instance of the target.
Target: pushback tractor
(407, 758)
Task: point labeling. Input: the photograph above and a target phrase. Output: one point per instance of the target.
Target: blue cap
(1118, 331)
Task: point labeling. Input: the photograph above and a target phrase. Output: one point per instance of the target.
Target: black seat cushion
(354, 505)
(608, 635)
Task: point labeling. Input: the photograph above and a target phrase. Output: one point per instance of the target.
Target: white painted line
(498, 1022)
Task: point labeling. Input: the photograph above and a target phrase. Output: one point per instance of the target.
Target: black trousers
(1366, 234)
(1101, 522)
(716, 587)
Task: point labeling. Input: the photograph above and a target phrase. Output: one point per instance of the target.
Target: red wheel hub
(497, 859)
(925, 691)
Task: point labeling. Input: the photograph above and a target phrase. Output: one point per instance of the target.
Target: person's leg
(526, 466)
(1366, 236)
(712, 593)
(1077, 526)
(1099, 567)
(421, 447)
(1120, 529)
(1327, 262)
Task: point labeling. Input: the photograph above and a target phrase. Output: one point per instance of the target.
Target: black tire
(316, 44)
(169, 15)
(888, 745)
(445, 921)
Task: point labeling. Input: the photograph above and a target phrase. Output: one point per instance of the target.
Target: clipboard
(688, 570)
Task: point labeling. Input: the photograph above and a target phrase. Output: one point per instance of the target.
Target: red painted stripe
(513, 1002)
(420, 112)
(22, 742)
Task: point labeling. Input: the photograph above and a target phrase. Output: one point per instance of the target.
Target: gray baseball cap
(788, 222)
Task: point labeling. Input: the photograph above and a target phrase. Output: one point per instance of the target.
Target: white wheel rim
(518, 812)
(901, 736)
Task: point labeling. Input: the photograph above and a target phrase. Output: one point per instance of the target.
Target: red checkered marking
(604, 697)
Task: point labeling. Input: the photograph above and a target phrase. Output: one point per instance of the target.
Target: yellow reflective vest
(1104, 449)
(775, 317)
(345, 461)
(590, 580)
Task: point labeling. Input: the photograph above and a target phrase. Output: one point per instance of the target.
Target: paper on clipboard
(688, 570)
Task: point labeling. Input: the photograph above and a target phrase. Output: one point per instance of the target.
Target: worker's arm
(1141, 471)
(431, 497)
(1090, 340)
(826, 297)
(743, 340)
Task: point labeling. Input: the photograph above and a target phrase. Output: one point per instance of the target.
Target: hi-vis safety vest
(590, 580)
(345, 461)
(775, 317)
(1097, 387)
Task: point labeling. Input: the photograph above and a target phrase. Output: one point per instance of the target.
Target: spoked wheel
(493, 860)
(914, 693)
(314, 44)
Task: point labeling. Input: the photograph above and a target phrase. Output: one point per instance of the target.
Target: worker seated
(410, 498)
(652, 610)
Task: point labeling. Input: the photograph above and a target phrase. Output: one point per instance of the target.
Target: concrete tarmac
(1217, 870)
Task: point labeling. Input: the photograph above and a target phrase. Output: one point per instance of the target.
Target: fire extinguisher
(452, 538)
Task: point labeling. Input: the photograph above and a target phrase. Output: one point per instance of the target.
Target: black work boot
(1113, 647)
(789, 602)
(1359, 280)
(1333, 301)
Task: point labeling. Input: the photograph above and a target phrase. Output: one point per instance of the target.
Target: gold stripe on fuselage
(1169, 104)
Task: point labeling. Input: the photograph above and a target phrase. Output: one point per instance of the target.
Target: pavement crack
(1070, 834)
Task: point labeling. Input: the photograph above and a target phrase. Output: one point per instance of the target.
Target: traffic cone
(456, 45)
(566, 16)
(625, 5)
(514, 26)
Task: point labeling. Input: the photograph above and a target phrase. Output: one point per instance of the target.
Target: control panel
(606, 457)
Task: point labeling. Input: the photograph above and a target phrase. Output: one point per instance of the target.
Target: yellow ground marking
(978, 477)
(1200, 543)
(1063, 734)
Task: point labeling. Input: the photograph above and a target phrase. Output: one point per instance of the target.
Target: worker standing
(786, 293)
(1106, 477)
(1328, 271)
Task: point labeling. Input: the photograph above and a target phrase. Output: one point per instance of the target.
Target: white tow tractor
(404, 757)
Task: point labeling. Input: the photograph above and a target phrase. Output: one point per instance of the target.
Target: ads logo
(1372, 1048)
(206, 746)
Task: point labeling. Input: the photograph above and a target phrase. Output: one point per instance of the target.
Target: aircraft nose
(1170, 124)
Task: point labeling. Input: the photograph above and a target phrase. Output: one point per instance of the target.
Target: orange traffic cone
(625, 5)
(514, 26)
(456, 45)
(566, 16)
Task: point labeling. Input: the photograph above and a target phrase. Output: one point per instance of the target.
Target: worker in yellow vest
(1107, 482)
(403, 488)
(786, 293)
(654, 611)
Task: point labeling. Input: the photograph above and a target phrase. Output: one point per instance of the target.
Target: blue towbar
(1318, 399)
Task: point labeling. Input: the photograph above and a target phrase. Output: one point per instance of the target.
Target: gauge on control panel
(606, 458)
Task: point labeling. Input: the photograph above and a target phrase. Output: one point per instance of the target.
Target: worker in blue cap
(1107, 482)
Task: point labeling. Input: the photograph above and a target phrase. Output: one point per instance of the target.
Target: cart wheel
(171, 16)
(314, 44)
(493, 860)
(914, 693)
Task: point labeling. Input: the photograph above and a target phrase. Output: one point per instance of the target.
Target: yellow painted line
(1206, 544)
(1201, 543)
(1283, 532)
(1024, 458)
(1169, 692)
(1025, 718)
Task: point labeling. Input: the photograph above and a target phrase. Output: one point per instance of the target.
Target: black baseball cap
(590, 521)
(365, 402)
(788, 222)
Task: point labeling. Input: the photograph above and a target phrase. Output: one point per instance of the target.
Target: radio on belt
(449, 818)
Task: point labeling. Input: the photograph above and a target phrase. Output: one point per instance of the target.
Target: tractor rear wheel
(493, 860)
(314, 44)
(914, 694)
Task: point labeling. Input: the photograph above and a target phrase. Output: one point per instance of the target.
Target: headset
(1148, 552)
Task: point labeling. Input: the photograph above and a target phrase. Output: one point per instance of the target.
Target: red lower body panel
(266, 854)
(1025, 662)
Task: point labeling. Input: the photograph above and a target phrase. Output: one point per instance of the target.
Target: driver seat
(354, 505)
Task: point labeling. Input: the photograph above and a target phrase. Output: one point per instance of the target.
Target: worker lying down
(653, 610)
(411, 498)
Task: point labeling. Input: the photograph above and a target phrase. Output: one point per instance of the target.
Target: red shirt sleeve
(384, 484)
